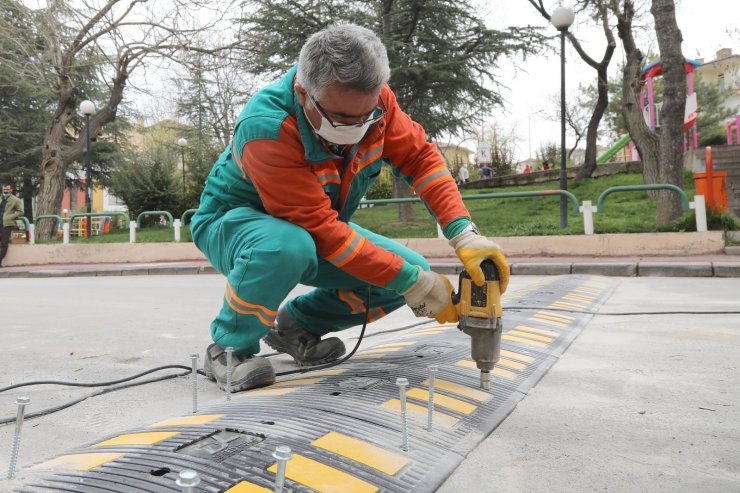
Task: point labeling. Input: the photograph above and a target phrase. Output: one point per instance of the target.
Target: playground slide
(613, 150)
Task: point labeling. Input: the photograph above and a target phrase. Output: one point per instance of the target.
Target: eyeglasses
(364, 120)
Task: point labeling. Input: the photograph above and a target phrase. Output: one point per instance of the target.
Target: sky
(531, 87)
(532, 83)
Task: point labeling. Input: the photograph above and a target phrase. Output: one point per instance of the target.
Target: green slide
(613, 149)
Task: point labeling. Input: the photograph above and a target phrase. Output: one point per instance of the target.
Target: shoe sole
(258, 379)
(282, 348)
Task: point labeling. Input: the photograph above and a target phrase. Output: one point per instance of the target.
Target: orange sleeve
(289, 190)
(407, 149)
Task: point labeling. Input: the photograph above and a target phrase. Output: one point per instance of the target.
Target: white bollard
(31, 234)
(132, 232)
(176, 225)
(65, 233)
(588, 217)
(440, 234)
(701, 212)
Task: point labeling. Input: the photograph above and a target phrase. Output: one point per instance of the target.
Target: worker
(277, 206)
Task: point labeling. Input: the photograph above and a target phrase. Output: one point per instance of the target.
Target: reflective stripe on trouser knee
(339, 301)
(263, 258)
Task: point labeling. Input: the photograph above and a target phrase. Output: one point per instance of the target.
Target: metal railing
(154, 213)
(496, 195)
(637, 188)
(187, 214)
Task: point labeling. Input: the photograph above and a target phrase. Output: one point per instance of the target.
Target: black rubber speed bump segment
(343, 424)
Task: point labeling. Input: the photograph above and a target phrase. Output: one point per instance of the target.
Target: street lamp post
(87, 108)
(182, 142)
(562, 18)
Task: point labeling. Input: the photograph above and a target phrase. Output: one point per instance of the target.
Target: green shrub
(383, 186)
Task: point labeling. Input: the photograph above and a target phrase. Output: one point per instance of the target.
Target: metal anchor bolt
(402, 384)
(430, 405)
(282, 455)
(22, 402)
(194, 378)
(187, 480)
(229, 369)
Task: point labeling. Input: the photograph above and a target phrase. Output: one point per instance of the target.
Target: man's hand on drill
(472, 249)
(431, 296)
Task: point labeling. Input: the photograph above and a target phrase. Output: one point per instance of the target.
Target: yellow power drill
(480, 313)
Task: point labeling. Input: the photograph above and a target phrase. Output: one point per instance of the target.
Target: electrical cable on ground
(111, 388)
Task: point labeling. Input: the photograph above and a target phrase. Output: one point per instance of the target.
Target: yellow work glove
(431, 296)
(473, 249)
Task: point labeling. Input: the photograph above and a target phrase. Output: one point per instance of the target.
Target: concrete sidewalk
(716, 265)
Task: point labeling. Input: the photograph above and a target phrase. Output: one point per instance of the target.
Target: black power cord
(111, 384)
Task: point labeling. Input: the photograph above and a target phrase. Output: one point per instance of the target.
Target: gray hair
(343, 54)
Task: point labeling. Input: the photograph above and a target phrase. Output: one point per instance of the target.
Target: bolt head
(188, 478)
(402, 382)
(282, 452)
(22, 401)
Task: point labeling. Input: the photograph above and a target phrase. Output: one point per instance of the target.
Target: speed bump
(343, 424)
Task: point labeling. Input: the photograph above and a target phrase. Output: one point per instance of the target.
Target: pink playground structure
(655, 69)
(735, 122)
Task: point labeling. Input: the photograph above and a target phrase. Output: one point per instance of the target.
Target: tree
(661, 152)
(211, 93)
(441, 54)
(146, 179)
(576, 114)
(73, 41)
(599, 13)
(712, 115)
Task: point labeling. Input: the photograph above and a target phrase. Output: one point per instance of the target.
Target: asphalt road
(637, 403)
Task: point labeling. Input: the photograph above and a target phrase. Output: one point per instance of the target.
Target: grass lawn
(624, 212)
(151, 234)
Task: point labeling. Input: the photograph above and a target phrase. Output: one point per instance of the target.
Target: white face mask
(6, 195)
(343, 135)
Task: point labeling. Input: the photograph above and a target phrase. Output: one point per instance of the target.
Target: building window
(722, 84)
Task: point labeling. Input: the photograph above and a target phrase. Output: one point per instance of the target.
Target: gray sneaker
(288, 336)
(247, 372)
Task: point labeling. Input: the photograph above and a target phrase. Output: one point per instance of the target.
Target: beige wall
(645, 244)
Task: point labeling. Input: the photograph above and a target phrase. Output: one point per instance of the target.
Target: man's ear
(301, 92)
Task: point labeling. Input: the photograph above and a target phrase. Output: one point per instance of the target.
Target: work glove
(473, 249)
(431, 296)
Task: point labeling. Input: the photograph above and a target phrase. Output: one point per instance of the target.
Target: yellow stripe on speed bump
(548, 320)
(79, 462)
(363, 452)
(246, 487)
(322, 478)
(329, 371)
(149, 438)
(534, 330)
(444, 401)
(517, 356)
(521, 333)
(579, 297)
(556, 316)
(198, 419)
(567, 306)
(381, 350)
(523, 340)
(461, 390)
(395, 344)
(420, 412)
(297, 382)
(514, 365)
(269, 391)
(499, 372)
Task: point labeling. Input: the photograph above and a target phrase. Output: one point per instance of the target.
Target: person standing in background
(11, 208)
